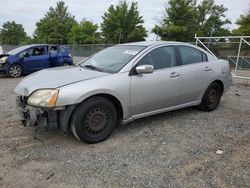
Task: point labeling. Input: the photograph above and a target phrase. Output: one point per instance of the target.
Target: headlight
(3, 60)
(43, 98)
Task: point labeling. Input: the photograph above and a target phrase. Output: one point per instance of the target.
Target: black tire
(94, 120)
(15, 71)
(211, 97)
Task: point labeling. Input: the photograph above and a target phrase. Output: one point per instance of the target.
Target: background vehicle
(123, 83)
(31, 58)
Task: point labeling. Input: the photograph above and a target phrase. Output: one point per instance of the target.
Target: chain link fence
(232, 49)
(76, 50)
(79, 52)
(223, 50)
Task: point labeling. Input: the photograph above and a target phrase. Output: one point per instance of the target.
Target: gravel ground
(175, 149)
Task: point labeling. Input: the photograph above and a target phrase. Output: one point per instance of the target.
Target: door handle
(174, 75)
(207, 69)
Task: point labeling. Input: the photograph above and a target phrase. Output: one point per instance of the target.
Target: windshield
(17, 50)
(112, 59)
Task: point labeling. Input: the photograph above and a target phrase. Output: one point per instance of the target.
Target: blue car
(31, 58)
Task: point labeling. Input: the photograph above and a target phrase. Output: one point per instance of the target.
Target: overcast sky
(28, 12)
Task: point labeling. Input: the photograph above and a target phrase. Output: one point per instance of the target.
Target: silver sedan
(120, 84)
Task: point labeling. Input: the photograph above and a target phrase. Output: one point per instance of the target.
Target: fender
(105, 92)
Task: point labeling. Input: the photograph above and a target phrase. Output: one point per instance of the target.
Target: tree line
(123, 23)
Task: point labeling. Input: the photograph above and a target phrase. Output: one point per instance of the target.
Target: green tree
(212, 19)
(244, 25)
(55, 26)
(178, 23)
(12, 33)
(84, 33)
(184, 18)
(123, 24)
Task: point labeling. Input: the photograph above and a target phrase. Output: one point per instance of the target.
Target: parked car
(120, 84)
(31, 58)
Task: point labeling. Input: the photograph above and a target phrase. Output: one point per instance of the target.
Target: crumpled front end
(49, 118)
(31, 116)
(3, 69)
(4, 65)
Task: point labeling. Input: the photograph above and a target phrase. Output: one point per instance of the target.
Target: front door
(36, 58)
(159, 89)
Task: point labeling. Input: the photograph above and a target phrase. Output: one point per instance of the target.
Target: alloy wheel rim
(15, 71)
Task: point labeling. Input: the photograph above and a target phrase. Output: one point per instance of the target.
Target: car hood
(55, 78)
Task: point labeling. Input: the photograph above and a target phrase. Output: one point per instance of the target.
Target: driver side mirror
(144, 69)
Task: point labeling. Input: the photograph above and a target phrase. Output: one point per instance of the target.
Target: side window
(53, 50)
(190, 55)
(204, 57)
(24, 54)
(37, 51)
(160, 58)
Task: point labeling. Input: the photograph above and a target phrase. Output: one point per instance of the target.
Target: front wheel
(211, 98)
(94, 120)
(15, 71)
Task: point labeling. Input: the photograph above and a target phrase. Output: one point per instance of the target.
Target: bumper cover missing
(31, 116)
(47, 118)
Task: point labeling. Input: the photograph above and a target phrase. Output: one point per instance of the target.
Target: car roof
(35, 45)
(153, 43)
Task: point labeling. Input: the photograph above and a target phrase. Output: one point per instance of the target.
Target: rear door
(196, 73)
(159, 89)
(36, 58)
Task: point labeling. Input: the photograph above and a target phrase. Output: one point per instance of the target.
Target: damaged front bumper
(43, 117)
(3, 69)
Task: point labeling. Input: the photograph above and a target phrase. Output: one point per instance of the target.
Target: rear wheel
(94, 120)
(211, 98)
(15, 71)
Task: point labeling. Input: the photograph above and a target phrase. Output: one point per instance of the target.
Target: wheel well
(15, 64)
(220, 83)
(114, 100)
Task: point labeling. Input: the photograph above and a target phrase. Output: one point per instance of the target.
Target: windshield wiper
(92, 67)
